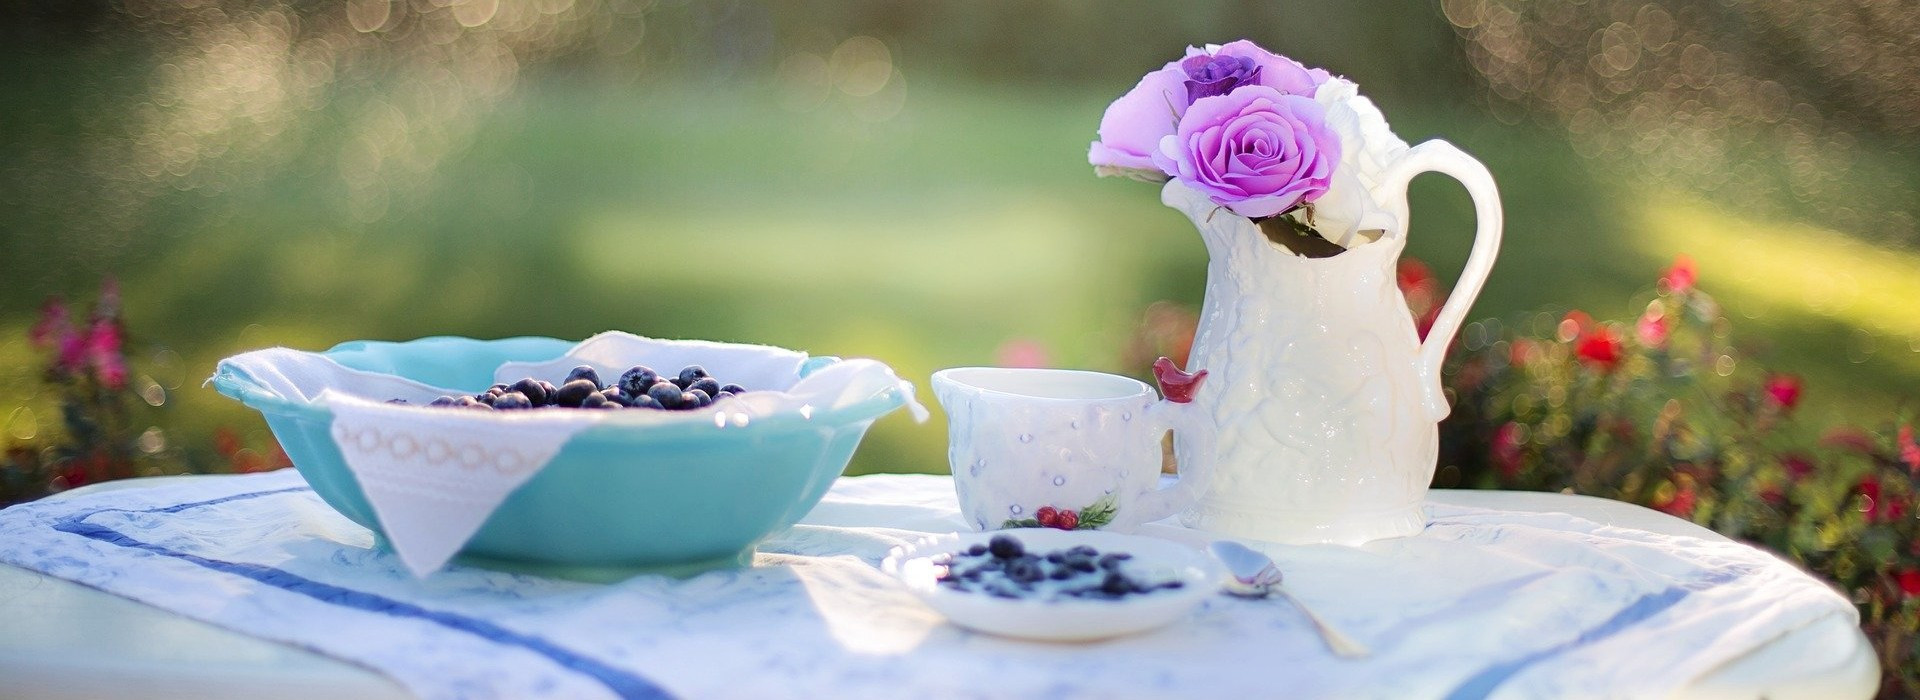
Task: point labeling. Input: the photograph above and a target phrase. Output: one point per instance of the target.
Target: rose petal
(1133, 125)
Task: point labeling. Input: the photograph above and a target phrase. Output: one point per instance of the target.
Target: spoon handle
(1341, 645)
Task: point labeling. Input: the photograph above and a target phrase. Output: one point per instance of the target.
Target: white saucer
(1061, 619)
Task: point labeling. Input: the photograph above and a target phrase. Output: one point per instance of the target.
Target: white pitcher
(1326, 401)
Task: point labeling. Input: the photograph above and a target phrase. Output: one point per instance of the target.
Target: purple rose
(1218, 74)
(1257, 151)
(1131, 130)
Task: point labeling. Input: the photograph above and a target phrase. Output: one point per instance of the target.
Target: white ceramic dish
(1062, 619)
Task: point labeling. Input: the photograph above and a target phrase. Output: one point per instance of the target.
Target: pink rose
(1131, 130)
(1257, 151)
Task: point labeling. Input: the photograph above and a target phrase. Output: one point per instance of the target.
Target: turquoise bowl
(619, 499)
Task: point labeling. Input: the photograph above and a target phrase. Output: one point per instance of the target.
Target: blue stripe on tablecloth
(1482, 684)
(624, 684)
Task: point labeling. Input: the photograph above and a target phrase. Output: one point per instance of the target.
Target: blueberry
(707, 384)
(699, 398)
(597, 400)
(1112, 561)
(470, 402)
(689, 402)
(667, 395)
(1055, 557)
(1005, 547)
(1061, 574)
(583, 372)
(613, 394)
(1084, 550)
(680, 383)
(976, 550)
(1116, 585)
(734, 389)
(692, 374)
(530, 389)
(576, 391)
(444, 401)
(550, 389)
(644, 401)
(1080, 563)
(1173, 585)
(636, 380)
(512, 400)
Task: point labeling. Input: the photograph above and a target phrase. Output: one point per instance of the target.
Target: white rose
(1352, 212)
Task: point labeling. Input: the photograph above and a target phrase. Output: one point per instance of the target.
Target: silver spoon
(1254, 575)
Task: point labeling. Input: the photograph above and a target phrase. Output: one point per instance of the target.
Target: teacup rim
(945, 377)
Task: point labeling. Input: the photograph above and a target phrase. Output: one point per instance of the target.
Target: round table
(65, 640)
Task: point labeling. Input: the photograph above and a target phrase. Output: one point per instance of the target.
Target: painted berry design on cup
(1092, 517)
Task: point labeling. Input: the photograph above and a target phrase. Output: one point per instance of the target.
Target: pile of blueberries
(1003, 568)
(639, 387)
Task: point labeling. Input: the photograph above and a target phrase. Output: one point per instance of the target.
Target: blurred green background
(901, 180)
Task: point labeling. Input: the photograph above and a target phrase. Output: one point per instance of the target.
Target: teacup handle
(1442, 157)
(1175, 411)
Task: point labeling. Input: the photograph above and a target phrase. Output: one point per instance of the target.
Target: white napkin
(434, 475)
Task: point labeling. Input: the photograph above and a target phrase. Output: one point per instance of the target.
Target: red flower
(1679, 278)
(55, 324)
(1506, 449)
(1784, 390)
(73, 350)
(1048, 516)
(1909, 451)
(1773, 495)
(103, 352)
(1422, 293)
(1879, 507)
(1601, 348)
(1652, 328)
(1910, 581)
(1798, 465)
(1069, 520)
(1680, 504)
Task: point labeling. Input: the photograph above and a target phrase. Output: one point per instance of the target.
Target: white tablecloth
(1484, 603)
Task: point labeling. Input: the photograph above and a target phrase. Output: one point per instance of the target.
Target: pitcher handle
(1176, 412)
(1444, 158)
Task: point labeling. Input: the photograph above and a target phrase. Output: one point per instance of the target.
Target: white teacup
(1068, 449)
